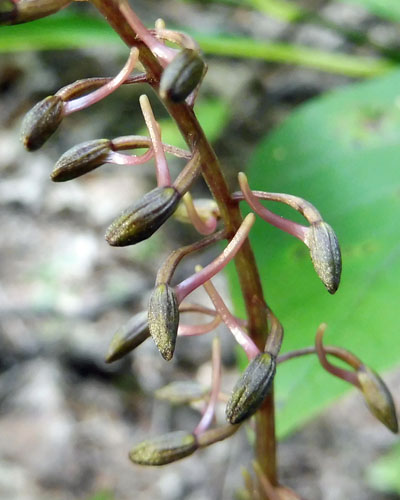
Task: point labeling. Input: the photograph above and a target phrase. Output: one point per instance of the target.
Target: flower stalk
(209, 413)
(88, 100)
(199, 278)
(250, 283)
(175, 76)
(230, 321)
(163, 175)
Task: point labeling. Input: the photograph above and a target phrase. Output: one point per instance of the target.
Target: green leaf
(384, 474)
(280, 9)
(286, 53)
(388, 9)
(63, 30)
(66, 30)
(342, 153)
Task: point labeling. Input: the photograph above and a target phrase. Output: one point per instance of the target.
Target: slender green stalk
(69, 31)
(343, 64)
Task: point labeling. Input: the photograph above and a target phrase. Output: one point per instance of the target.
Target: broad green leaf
(342, 153)
(66, 30)
(388, 9)
(384, 474)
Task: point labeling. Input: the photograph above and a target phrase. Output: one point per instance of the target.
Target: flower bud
(143, 218)
(252, 388)
(163, 318)
(181, 392)
(182, 75)
(325, 254)
(378, 397)
(164, 449)
(81, 159)
(22, 11)
(41, 122)
(205, 208)
(128, 337)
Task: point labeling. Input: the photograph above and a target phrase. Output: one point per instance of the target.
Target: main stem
(265, 447)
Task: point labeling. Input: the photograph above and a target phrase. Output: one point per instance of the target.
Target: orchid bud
(205, 207)
(163, 318)
(182, 75)
(378, 397)
(164, 449)
(128, 337)
(252, 388)
(143, 218)
(22, 11)
(325, 254)
(41, 122)
(181, 392)
(81, 159)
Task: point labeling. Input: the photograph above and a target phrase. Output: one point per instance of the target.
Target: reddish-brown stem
(139, 142)
(193, 330)
(217, 434)
(231, 322)
(80, 87)
(304, 207)
(88, 100)
(123, 159)
(167, 270)
(188, 174)
(286, 225)
(275, 337)
(338, 352)
(270, 492)
(345, 375)
(249, 278)
(209, 413)
(199, 278)
(162, 169)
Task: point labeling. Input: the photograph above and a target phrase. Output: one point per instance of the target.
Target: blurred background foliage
(340, 150)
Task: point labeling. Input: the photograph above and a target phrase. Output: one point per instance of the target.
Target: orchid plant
(172, 65)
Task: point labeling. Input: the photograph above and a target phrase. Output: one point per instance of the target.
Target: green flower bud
(182, 75)
(41, 122)
(252, 388)
(144, 217)
(378, 397)
(181, 392)
(164, 449)
(81, 159)
(22, 11)
(163, 319)
(325, 254)
(128, 337)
